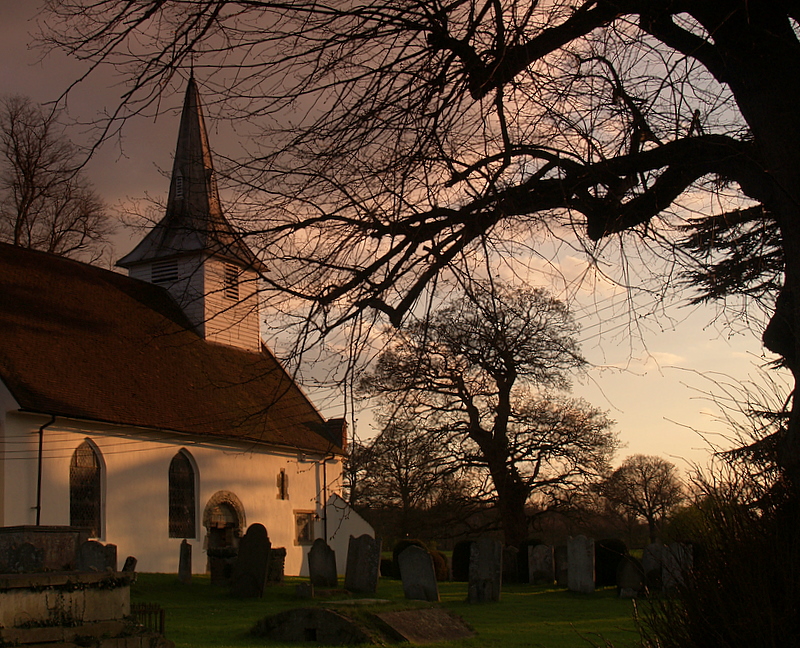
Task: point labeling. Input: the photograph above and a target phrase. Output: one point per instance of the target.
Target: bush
(440, 565)
(608, 554)
(744, 590)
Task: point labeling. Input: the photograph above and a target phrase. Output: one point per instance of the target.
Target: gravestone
(418, 574)
(95, 556)
(130, 564)
(363, 564)
(250, 569)
(322, 565)
(580, 556)
(277, 564)
(561, 563)
(510, 565)
(676, 560)
(630, 577)
(541, 565)
(608, 555)
(185, 563)
(485, 571)
(652, 562)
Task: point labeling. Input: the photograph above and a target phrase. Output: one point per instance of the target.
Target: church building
(147, 409)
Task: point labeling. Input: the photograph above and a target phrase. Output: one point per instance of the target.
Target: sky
(651, 373)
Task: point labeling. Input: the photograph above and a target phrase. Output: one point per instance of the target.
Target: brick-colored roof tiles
(85, 343)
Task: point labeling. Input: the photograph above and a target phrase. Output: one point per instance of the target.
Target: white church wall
(135, 493)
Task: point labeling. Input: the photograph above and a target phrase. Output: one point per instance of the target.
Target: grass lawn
(200, 616)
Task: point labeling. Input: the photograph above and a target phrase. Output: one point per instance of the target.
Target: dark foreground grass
(204, 616)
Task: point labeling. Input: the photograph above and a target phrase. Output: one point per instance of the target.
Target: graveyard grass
(200, 615)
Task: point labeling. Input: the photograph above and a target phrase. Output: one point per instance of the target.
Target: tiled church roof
(85, 343)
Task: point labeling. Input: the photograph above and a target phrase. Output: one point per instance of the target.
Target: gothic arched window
(182, 504)
(85, 489)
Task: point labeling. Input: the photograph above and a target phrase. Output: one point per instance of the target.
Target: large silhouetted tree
(476, 373)
(46, 202)
(402, 138)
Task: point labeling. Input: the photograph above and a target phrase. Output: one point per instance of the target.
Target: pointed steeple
(194, 252)
(193, 221)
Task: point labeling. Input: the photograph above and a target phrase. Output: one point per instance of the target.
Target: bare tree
(419, 135)
(647, 487)
(470, 372)
(46, 202)
(409, 479)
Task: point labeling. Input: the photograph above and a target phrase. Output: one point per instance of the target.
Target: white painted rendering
(135, 487)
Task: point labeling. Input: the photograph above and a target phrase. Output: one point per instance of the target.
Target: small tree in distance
(646, 487)
(46, 202)
(476, 373)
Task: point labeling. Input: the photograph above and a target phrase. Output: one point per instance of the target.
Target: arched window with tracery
(182, 502)
(85, 489)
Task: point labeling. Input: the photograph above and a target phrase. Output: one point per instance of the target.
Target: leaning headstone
(250, 569)
(652, 563)
(485, 571)
(418, 574)
(561, 563)
(580, 556)
(363, 564)
(130, 564)
(185, 563)
(97, 557)
(322, 565)
(541, 565)
(630, 577)
(510, 565)
(676, 561)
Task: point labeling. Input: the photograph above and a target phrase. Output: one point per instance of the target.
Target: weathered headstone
(485, 571)
(322, 565)
(418, 574)
(541, 565)
(580, 556)
(95, 556)
(185, 563)
(130, 564)
(561, 562)
(652, 562)
(676, 560)
(630, 577)
(250, 570)
(363, 564)
(277, 564)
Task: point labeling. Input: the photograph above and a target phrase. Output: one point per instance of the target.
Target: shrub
(608, 554)
(440, 565)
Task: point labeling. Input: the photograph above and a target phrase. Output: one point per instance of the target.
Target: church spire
(194, 221)
(193, 252)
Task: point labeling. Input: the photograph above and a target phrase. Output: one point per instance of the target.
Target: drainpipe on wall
(39, 471)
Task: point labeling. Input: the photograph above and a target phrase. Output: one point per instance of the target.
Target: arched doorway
(224, 520)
